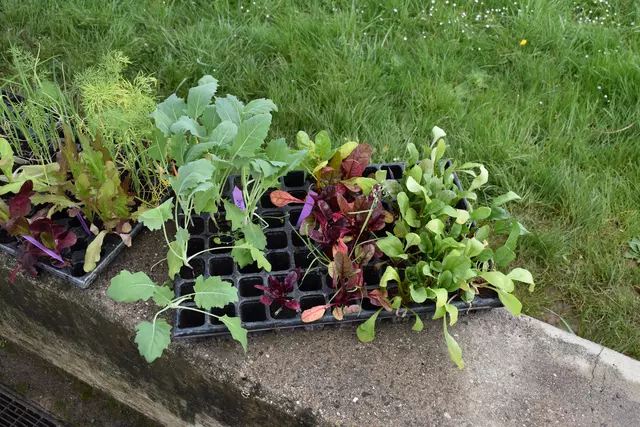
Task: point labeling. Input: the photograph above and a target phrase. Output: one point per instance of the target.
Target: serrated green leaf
(259, 106)
(278, 151)
(234, 326)
(234, 214)
(168, 112)
(367, 331)
(254, 235)
(154, 218)
(153, 339)
(227, 110)
(224, 133)
(258, 256)
(92, 255)
(210, 119)
(162, 296)
(127, 287)
(213, 292)
(191, 175)
(187, 124)
(200, 96)
(251, 135)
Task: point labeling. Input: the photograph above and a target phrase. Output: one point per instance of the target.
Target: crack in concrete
(593, 370)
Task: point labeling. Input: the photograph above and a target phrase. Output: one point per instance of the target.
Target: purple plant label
(308, 206)
(84, 224)
(237, 198)
(43, 248)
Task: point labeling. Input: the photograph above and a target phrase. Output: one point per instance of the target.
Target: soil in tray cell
(190, 319)
(253, 311)
(247, 287)
(185, 289)
(251, 268)
(274, 219)
(303, 259)
(222, 241)
(265, 201)
(195, 245)
(294, 216)
(229, 310)
(311, 301)
(192, 273)
(294, 179)
(297, 240)
(221, 266)
(279, 261)
(279, 312)
(371, 276)
(310, 282)
(276, 240)
(196, 226)
(220, 225)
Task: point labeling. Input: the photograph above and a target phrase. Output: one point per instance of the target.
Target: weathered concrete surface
(519, 371)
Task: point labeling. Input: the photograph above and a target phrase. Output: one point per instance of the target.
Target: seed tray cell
(285, 251)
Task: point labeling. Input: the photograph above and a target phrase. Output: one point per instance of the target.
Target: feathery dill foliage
(550, 117)
(119, 108)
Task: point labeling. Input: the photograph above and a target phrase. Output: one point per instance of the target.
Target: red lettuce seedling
(279, 291)
(42, 238)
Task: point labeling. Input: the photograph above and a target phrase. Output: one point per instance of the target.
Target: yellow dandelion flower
(523, 42)
(555, 116)
(385, 148)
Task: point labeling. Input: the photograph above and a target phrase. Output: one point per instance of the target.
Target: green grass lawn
(556, 120)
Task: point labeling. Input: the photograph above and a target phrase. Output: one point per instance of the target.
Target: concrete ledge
(519, 371)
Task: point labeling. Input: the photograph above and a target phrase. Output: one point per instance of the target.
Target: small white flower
(540, 102)
(395, 10)
(405, 38)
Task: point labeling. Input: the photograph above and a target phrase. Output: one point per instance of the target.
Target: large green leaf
(234, 326)
(92, 255)
(503, 256)
(234, 214)
(200, 96)
(154, 218)
(458, 265)
(254, 235)
(153, 339)
(251, 135)
(323, 145)
(436, 226)
(168, 112)
(213, 292)
(227, 111)
(176, 258)
(224, 133)
(367, 331)
(278, 151)
(163, 296)
(389, 274)
(191, 175)
(127, 287)
(187, 124)
(259, 106)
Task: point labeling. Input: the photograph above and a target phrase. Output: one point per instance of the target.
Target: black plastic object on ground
(285, 251)
(74, 273)
(16, 411)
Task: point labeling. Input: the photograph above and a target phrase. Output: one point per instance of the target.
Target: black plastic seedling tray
(74, 273)
(285, 251)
